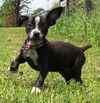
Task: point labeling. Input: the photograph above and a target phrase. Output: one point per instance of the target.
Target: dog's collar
(26, 45)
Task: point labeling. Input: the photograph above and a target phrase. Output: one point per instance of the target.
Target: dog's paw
(35, 90)
(12, 69)
(9, 68)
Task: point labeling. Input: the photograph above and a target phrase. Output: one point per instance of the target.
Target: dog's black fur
(53, 56)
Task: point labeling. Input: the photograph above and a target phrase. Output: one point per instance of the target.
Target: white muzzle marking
(36, 29)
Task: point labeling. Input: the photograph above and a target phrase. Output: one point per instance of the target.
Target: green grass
(77, 29)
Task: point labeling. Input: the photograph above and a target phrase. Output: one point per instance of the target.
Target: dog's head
(37, 25)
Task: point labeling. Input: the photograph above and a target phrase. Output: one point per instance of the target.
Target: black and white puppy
(48, 56)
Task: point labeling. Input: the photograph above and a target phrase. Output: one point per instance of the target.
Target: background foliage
(8, 11)
(37, 11)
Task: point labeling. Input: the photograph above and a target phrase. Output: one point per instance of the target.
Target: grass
(77, 29)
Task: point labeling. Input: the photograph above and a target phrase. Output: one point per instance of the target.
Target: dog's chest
(31, 53)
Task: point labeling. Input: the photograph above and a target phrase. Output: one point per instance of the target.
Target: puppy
(48, 56)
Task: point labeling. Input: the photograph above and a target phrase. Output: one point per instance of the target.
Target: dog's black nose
(36, 35)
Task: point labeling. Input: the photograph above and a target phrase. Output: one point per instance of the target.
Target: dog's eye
(42, 24)
(29, 26)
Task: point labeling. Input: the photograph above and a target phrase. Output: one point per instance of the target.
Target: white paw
(9, 68)
(36, 90)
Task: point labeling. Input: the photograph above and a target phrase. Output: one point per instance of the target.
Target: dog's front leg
(40, 80)
(15, 63)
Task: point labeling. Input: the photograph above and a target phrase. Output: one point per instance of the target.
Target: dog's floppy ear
(53, 15)
(22, 19)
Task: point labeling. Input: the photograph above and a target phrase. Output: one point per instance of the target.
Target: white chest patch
(31, 53)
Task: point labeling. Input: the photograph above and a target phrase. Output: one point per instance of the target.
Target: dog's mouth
(30, 43)
(34, 41)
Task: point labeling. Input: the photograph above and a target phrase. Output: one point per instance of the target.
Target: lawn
(16, 87)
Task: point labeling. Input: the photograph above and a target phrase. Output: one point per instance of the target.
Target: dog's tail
(86, 47)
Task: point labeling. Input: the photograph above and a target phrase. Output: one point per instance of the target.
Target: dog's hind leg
(76, 69)
(66, 75)
(77, 75)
